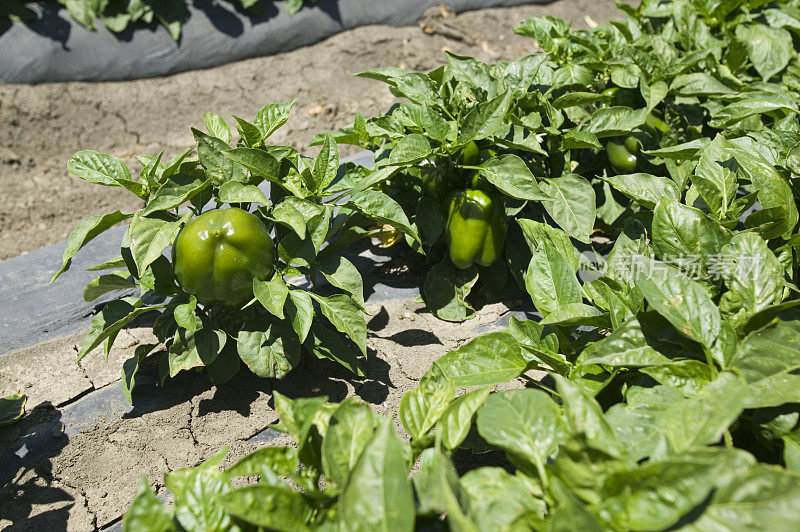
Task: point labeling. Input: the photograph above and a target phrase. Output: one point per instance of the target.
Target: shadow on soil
(26, 478)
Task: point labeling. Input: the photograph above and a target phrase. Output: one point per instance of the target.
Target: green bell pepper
(623, 155)
(217, 255)
(475, 228)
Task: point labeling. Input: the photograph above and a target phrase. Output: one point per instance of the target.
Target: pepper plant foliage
(269, 332)
(12, 408)
(671, 394)
(690, 85)
(117, 15)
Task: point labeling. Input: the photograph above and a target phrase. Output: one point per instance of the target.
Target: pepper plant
(571, 137)
(239, 285)
(117, 15)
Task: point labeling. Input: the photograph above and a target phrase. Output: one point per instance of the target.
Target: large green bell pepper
(475, 228)
(217, 255)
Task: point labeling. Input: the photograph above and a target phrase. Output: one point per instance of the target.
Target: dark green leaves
(524, 423)
(511, 175)
(683, 302)
(377, 495)
(446, 289)
(384, 209)
(488, 359)
(87, 230)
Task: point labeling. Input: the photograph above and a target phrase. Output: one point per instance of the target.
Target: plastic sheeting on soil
(56, 48)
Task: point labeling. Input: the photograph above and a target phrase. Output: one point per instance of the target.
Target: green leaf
(540, 235)
(497, 498)
(575, 314)
(382, 209)
(422, 407)
(626, 346)
(551, 281)
(576, 139)
(268, 462)
(410, 149)
(684, 151)
(131, 366)
(300, 309)
(539, 344)
(616, 121)
(325, 343)
(103, 169)
(773, 191)
(378, 494)
(758, 105)
(326, 165)
(217, 127)
(657, 494)
(147, 512)
(762, 498)
(511, 176)
(212, 153)
(753, 274)
(489, 359)
(470, 72)
(272, 116)
(111, 319)
(698, 84)
(638, 422)
(702, 419)
(84, 233)
(572, 99)
(272, 294)
(769, 360)
(150, 236)
(572, 205)
(349, 430)
(770, 49)
(12, 408)
(485, 119)
(686, 376)
(296, 214)
(269, 351)
(117, 280)
(272, 507)
(645, 189)
(683, 233)
(456, 421)
(176, 190)
(346, 316)
(715, 181)
(683, 302)
(249, 133)
(342, 274)
(235, 192)
(191, 349)
(446, 289)
(303, 252)
(583, 415)
(524, 423)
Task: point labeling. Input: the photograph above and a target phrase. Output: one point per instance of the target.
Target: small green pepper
(623, 155)
(217, 255)
(471, 153)
(475, 229)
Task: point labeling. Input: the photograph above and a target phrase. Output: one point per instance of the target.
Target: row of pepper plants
(637, 180)
(118, 15)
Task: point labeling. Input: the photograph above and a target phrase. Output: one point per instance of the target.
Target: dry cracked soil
(99, 447)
